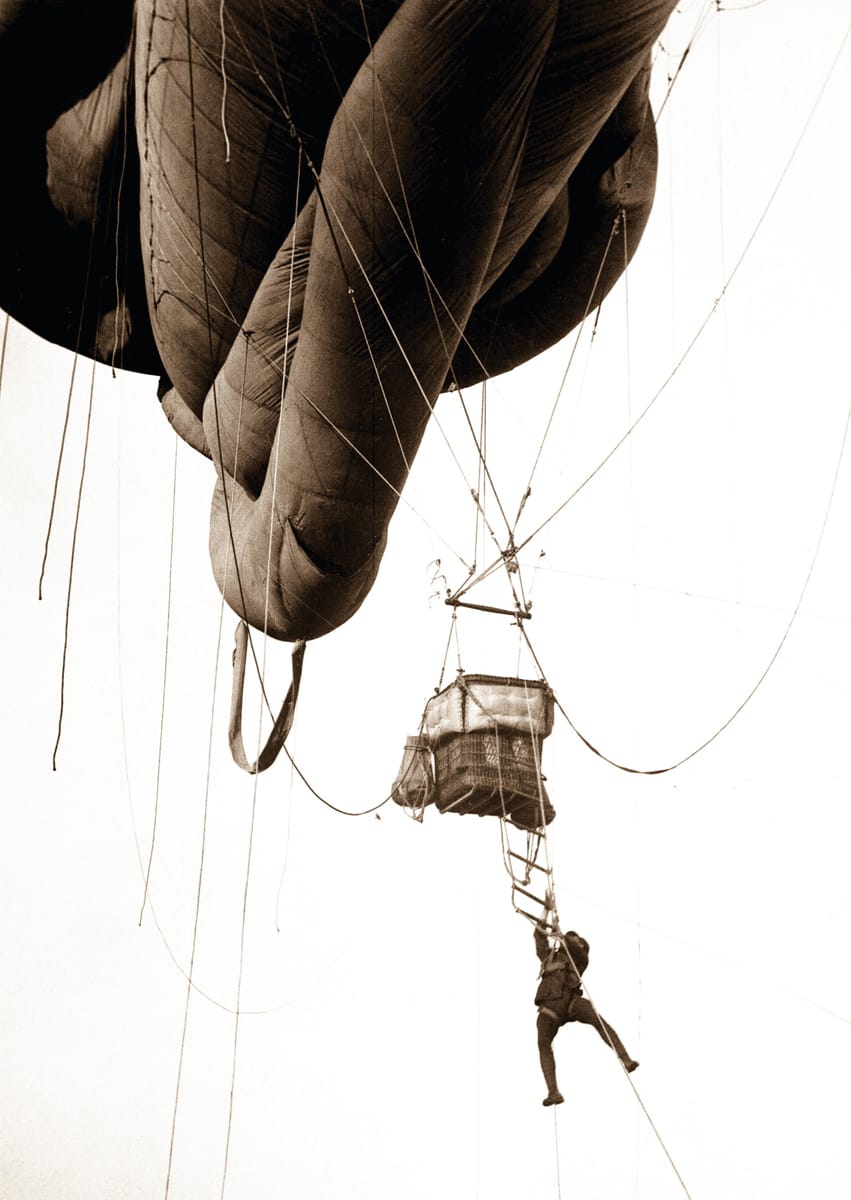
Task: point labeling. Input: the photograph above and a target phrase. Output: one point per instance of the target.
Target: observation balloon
(309, 221)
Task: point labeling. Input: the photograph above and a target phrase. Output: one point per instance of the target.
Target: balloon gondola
(479, 751)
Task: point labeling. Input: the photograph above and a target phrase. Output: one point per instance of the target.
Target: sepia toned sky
(694, 595)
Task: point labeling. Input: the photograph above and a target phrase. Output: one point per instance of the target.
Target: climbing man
(559, 998)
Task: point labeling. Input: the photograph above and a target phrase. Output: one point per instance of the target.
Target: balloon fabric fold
(309, 221)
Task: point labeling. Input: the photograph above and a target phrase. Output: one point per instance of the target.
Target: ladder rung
(531, 896)
(529, 862)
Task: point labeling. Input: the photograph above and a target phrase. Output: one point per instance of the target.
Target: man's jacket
(558, 977)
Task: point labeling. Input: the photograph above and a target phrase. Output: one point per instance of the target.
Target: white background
(386, 1046)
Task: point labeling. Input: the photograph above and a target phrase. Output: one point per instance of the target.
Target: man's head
(574, 941)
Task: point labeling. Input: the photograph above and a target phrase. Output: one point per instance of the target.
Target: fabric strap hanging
(283, 723)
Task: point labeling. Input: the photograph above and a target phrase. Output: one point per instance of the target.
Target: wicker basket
(413, 786)
(493, 773)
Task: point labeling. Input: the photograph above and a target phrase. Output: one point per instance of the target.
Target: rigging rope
(238, 1003)
(385, 801)
(282, 105)
(713, 308)
(3, 349)
(161, 736)
(196, 922)
(410, 234)
(560, 391)
(60, 458)
(284, 720)
(71, 563)
(223, 72)
(202, 853)
(700, 25)
(144, 871)
(120, 298)
(733, 966)
(61, 453)
(765, 671)
(601, 1026)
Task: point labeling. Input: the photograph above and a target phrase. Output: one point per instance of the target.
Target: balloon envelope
(309, 221)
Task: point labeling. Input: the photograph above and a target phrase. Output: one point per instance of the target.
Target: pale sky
(386, 1046)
